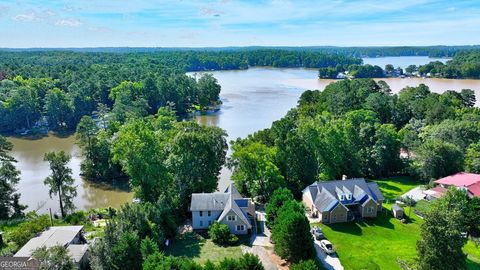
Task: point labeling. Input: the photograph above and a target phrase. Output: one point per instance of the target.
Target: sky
(184, 23)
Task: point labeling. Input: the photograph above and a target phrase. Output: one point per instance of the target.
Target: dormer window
(349, 196)
(342, 197)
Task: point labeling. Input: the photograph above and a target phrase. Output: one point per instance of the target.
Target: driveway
(259, 240)
(416, 194)
(330, 262)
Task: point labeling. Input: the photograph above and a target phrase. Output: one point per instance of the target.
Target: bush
(79, 217)
(220, 234)
(55, 257)
(250, 262)
(305, 265)
(25, 231)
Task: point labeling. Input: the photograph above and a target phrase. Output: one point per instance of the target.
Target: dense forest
(358, 128)
(464, 65)
(359, 52)
(53, 90)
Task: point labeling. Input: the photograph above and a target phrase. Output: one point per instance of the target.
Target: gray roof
(213, 201)
(77, 252)
(54, 236)
(232, 205)
(397, 207)
(220, 201)
(208, 201)
(326, 194)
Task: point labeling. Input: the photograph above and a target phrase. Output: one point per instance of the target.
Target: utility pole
(51, 217)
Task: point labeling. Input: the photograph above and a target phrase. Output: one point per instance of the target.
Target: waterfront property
(342, 200)
(228, 207)
(70, 237)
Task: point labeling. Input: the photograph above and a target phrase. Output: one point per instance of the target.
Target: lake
(252, 100)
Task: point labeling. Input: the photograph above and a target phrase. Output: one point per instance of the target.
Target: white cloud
(69, 22)
(27, 17)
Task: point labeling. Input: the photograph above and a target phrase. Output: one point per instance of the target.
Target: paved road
(330, 262)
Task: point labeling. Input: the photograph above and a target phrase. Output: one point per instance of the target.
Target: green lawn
(394, 187)
(200, 249)
(378, 243)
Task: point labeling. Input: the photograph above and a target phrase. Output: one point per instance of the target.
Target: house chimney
(344, 177)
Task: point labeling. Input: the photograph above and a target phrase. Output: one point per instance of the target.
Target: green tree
(54, 258)
(441, 241)
(196, 156)
(129, 101)
(278, 199)
(435, 159)
(472, 158)
(208, 90)
(9, 178)
(24, 106)
(254, 170)
(58, 109)
(86, 131)
(102, 114)
(137, 232)
(305, 265)
(249, 261)
(411, 69)
(291, 233)
(220, 234)
(141, 152)
(60, 181)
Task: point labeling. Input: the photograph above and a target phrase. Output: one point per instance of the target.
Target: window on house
(240, 228)
(209, 213)
(209, 222)
(201, 223)
(349, 196)
(334, 217)
(201, 213)
(231, 218)
(369, 209)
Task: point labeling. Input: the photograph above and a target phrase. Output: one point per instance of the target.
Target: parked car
(327, 247)
(317, 233)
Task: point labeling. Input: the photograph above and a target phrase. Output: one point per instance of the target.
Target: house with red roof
(468, 181)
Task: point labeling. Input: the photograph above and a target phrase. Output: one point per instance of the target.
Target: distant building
(70, 237)
(342, 200)
(227, 207)
(462, 180)
(341, 75)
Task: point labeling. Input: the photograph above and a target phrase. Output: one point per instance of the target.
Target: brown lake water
(252, 100)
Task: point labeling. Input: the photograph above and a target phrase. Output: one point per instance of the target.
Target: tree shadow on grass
(188, 245)
(382, 220)
(356, 227)
(349, 227)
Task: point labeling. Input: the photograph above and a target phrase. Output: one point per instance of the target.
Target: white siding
(205, 219)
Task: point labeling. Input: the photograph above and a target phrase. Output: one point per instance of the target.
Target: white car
(327, 247)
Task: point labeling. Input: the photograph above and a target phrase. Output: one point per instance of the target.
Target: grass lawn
(378, 243)
(201, 249)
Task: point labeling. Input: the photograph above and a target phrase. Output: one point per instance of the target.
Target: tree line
(359, 128)
(359, 52)
(464, 65)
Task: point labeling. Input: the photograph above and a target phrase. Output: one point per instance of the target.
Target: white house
(227, 207)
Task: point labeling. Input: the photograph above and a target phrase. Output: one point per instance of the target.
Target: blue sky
(183, 23)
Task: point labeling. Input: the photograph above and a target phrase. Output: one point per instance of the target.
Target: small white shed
(397, 211)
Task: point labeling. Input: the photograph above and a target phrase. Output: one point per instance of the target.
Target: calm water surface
(252, 100)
